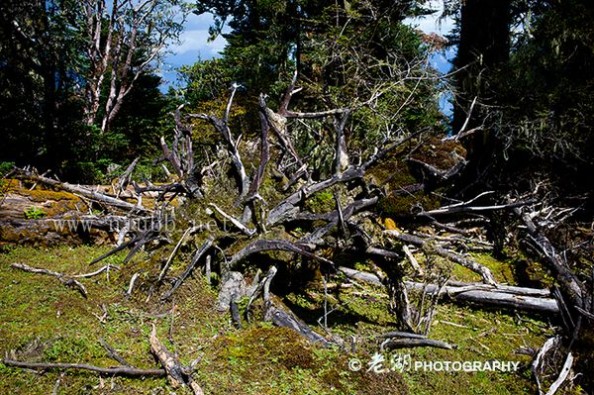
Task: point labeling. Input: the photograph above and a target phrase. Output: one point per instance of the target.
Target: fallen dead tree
(559, 355)
(21, 174)
(502, 296)
(302, 216)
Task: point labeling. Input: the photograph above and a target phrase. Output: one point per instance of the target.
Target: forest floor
(42, 320)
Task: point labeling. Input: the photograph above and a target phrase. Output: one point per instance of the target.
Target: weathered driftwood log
(502, 296)
(519, 299)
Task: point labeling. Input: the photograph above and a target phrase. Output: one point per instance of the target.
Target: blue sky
(193, 45)
(440, 60)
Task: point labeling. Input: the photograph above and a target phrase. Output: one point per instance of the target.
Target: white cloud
(203, 21)
(432, 23)
(196, 41)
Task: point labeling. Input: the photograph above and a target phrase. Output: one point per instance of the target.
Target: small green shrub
(321, 202)
(34, 212)
(149, 171)
(5, 168)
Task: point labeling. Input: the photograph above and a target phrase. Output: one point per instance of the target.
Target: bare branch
(222, 127)
(288, 206)
(466, 262)
(176, 374)
(264, 150)
(88, 193)
(64, 279)
(187, 232)
(271, 245)
(234, 221)
(115, 371)
(392, 344)
(199, 253)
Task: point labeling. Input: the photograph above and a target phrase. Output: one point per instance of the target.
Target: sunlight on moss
(260, 359)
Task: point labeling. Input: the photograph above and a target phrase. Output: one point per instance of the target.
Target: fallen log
(491, 297)
(569, 282)
(502, 296)
(88, 193)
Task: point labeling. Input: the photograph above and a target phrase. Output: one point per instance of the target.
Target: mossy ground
(45, 321)
(480, 335)
(55, 324)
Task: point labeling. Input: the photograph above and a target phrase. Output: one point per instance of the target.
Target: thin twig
(117, 370)
(201, 251)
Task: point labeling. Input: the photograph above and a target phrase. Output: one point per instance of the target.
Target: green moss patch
(45, 321)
